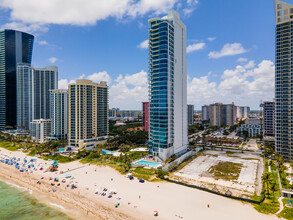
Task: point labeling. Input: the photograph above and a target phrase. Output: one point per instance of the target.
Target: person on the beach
(208, 205)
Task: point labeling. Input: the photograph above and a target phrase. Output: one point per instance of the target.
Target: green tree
(274, 189)
(267, 180)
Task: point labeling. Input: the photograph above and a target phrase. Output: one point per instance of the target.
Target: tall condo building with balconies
(59, 114)
(284, 80)
(15, 47)
(167, 86)
(33, 93)
(222, 114)
(268, 118)
(87, 111)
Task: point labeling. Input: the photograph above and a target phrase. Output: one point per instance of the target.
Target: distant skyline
(230, 45)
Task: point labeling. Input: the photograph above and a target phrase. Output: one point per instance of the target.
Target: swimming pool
(148, 163)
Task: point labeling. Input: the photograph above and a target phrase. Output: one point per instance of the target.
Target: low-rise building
(252, 129)
(40, 129)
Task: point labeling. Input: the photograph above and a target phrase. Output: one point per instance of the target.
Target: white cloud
(195, 47)
(244, 85)
(33, 16)
(63, 83)
(43, 42)
(228, 50)
(211, 38)
(191, 5)
(144, 44)
(53, 60)
(249, 65)
(25, 27)
(129, 91)
(126, 92)
(242, 60)
(100, 76)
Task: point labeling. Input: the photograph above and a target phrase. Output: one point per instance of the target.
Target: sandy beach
(137, 200)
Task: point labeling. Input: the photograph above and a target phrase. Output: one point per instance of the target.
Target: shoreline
(137, 200)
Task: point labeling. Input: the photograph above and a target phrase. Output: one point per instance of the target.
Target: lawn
(143, 173)
(269, 206)
(60, 158)
(226, 170)
(287, 212)
(12, 146)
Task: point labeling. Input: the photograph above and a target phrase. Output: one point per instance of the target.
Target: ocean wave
(56, 205)
(20, 187)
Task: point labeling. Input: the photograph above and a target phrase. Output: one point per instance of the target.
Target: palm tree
(267, 179)
(274, 189)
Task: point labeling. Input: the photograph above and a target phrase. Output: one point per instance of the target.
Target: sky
(230, 45)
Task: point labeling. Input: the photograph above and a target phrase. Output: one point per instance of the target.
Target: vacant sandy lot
(248, 180)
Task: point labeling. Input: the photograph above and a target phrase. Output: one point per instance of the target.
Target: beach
(136, 200)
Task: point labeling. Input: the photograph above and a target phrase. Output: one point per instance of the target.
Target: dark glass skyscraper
(15, 47)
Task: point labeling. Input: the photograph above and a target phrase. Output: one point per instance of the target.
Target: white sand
(169, 199)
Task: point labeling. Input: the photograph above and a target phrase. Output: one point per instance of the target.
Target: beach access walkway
(69, 170)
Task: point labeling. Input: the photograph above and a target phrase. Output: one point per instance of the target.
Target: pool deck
(146, 165)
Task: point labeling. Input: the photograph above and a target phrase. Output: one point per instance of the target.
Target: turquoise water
(149, 163)
(107, 152)
(17, 205)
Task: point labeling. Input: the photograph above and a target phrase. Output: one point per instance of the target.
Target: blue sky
(230, 44)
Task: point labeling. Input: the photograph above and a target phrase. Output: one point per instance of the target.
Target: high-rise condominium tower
(190, 114)
(268, 118)
(145, 115)
(15, 47)
(59, 113)
(33, 93)
(87, 111)
(168, 80)
(284, 80)
(222, 114)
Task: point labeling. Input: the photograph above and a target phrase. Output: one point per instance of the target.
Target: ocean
(17, 204)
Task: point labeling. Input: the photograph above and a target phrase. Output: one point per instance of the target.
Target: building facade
(33, 93)
(205, 112)
(283, 80)
(190, 114)
(222, 114)
(15, 47)
(40, 130)
(252, 129)
(242, 112)
(113, 113)
(268, 118)
(168, 83)
(145, 116)
(87, 111)
(59, 114)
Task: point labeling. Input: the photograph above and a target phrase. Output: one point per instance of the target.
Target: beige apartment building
(87, 112)
(222, 114)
